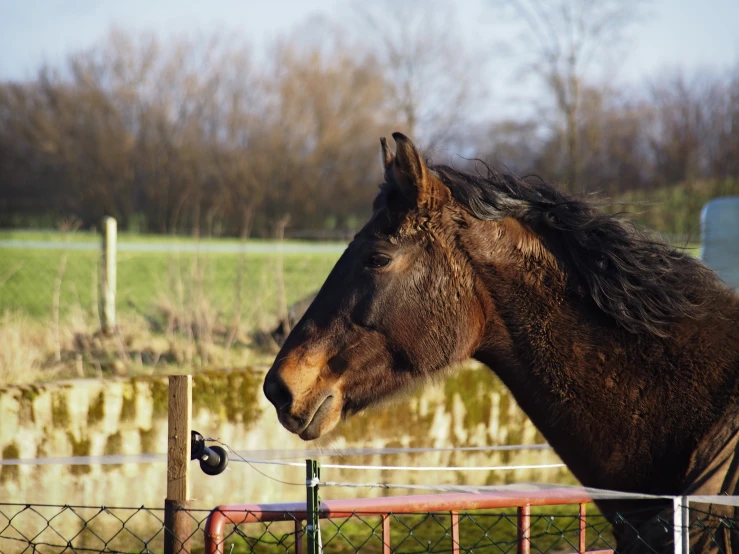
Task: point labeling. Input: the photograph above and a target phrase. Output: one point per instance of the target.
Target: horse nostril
(277, 392)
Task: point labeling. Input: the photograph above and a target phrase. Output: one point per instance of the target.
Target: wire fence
(230, 278)
(519, 519)
(197, 303)
(283, 528)
(26, 528)
(43, 528)
(423, 532)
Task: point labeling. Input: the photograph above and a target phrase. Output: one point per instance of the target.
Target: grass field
(29, 280)
(175, 309)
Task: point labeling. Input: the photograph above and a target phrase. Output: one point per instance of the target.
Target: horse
(622, 350)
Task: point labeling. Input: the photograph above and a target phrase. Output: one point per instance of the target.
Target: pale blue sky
(688, 33)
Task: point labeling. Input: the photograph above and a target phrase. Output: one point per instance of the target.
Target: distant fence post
(177, 520)
(108, 274)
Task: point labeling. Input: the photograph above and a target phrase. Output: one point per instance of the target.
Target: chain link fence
(57, 529)
(521, 520)
(478, 531)
(552, 529)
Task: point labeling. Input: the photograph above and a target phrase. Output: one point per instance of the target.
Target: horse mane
(633, 276)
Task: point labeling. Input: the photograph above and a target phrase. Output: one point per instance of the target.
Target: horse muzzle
(309, 414)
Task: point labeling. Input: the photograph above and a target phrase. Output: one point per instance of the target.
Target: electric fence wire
(266, 455)
(594, 494)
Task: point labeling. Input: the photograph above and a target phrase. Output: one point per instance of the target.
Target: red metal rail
(384, 506)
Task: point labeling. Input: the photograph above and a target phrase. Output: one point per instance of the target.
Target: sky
(677, 33)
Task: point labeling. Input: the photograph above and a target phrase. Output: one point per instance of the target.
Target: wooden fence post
(108, 275)
(177, 520)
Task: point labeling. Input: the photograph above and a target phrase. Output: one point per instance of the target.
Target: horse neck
(624, 411)
(579, 379)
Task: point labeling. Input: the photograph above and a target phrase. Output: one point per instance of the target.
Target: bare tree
(721, 143)
(434, 79)
(328, 103)
(195, 135)
(560, 41)
(682, 125)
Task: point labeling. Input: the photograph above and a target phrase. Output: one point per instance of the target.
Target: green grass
(28, 279)
(174, 310)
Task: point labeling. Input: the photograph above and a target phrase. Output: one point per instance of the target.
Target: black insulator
(213, 459)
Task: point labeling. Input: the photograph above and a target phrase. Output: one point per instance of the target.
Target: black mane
(641, 282)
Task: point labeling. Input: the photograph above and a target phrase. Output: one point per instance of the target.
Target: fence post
(177, 520)
(108, 274)
(680, 524)
(524, 529)
(312, 478)
(582, 539)
(455, 532)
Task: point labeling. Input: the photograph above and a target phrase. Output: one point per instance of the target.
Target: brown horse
(623, 351)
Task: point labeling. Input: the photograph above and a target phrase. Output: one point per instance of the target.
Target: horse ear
(386, 156)
(413, 177)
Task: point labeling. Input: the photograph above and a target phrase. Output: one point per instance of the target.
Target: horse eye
(376, 261)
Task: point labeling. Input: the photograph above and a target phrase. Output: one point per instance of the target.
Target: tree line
(203, 135)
